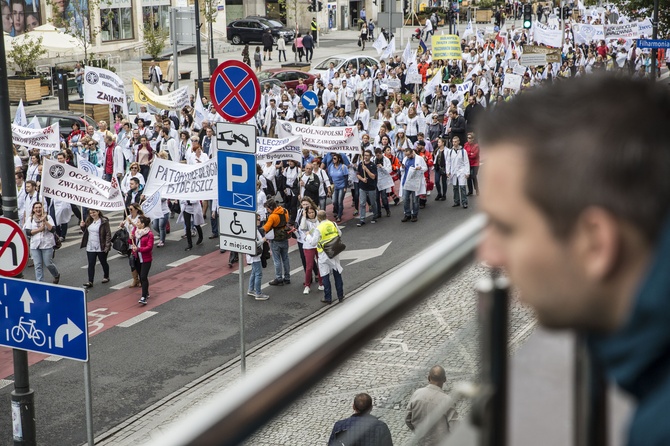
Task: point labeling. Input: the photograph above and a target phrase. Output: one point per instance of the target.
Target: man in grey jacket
(430, 410)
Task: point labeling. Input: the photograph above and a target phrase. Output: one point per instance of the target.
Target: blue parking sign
(237, 180)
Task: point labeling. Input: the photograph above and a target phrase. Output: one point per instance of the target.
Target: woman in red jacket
(472, 149)
(142, 242)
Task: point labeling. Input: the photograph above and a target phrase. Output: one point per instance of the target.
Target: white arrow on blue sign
(309, 100)
(49, 319)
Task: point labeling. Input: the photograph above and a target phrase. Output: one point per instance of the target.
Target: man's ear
(597, 243)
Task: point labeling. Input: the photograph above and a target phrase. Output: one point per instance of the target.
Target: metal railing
(234, 415)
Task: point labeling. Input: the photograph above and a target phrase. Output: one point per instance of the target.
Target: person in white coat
(60, 210)
(191, 213)
(325, 231)
(413, 183)
(458, 171)
(270, 120)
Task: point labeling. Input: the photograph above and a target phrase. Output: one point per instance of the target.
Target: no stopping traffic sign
(235, 91)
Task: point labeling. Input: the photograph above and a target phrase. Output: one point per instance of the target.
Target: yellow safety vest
(313, 26)
(328, 231)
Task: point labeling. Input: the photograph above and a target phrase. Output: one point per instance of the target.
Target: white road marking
(5, 382)
(53, 358)
(195, 292)
(182, 261)
(122, 285)
(293, 273)
(139, 318)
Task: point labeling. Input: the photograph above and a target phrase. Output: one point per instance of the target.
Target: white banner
(519, 69)
(413, 76)
(645, 27)
(460, 88)
(104, 87)
(380, 43)
(284, 149)
(47, 139)
(512, 81)
(20, 116)
(71, 185)
(322, 139)
(373, 129)
(532, 60)
(152, 207)
(174, 100)
(183, 181)
(384, 180)
(587, 33)
(547, 36)
(389, 50)
(88, 166)
(622, 30)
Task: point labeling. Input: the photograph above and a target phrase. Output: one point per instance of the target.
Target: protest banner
(460, 88)
(278, 149)
(413, 76)
(183, 181)
(322, 139)
(519, 69)
(512, 81)
(384, 180)
(71, 185)
(622, 31)
(171, 101)
(533, 60)
(553, 55)
(645, 28)
(447, 47)
(87, 166)
(46, 139)
(585, 34)
(545, 35)
(375, 125)
(104, 87)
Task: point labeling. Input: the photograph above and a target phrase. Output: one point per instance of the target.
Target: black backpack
(281, 232)
(120, 241)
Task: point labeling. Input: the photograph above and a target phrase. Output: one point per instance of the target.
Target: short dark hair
(583, 151)
(271, 204)
(363, 403)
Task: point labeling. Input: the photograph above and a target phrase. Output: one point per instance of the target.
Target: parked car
(251, 30)
(287, 76)
(272, 81)
(274, 22)
(64, 119)
(343, 61)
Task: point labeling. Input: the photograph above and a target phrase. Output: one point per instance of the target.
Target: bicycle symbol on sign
(28, 329)
(236, 224)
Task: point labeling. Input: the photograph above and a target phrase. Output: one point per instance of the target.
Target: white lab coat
(421, 163)
(458, 166)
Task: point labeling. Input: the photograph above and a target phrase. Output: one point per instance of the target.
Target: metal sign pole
(89, 402)
(173, 31)
(243, 352)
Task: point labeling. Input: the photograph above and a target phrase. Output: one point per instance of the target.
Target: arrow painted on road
(70, 329)
(27, 299)
(359, 255)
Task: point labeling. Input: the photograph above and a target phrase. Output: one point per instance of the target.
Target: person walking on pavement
(431, 403)
(134, 213)
(364, 34)
(278, 223)
(362, 428)
(458, 171)
(367, 183)
(313, 28)
(192, 214)
(155, 77)
(324, 232)
(142, 245)
(413, 166)
(79, 79)
(281, 48)
(40, 230)
(255, 261)
(308, 44)
(97, 240)
(267, 44)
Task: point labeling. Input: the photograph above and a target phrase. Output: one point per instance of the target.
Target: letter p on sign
(236, 172)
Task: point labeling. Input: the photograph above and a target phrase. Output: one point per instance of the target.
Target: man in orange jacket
(278, 223)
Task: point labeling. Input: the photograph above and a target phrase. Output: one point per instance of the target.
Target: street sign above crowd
(235, 91)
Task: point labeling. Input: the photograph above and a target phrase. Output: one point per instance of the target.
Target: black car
(252, 29)
(63, 118)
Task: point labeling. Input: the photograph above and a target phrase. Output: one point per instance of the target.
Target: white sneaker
(306, 290)
(262, 296)
(320, 287)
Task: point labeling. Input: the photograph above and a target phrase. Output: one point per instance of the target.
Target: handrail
(237, 413)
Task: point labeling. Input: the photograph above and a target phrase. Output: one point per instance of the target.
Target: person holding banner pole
(97, 240)
(40, 231)
(142, 242)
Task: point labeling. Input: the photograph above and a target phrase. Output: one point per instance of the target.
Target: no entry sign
(13, 248)
(235, 91)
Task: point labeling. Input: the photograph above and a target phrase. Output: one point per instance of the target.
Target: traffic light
(312, 6)
(566, 12)
(527, 16)
(320, 6)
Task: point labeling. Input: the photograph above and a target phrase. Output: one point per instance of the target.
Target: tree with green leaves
(26, 55)
(154, 39)
(74, 16)
(208, 12)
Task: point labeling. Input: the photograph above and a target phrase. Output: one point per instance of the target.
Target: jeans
(92, 256)
(355, 193)
(160, 224)
(441, 184)
(309, 52)
(214, 221)
(43, 257)
(80, 89)
(363, 197)
(144, 170)
(311, 267)
(410, 203)
(460, 195)
(473, 184)
(338, 201)
(282, 53)
(256, 277)
(143, 269)
(327, 290)
(382, 201)
(323, 201)
(280, 258)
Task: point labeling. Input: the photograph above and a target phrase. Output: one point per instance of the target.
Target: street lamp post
(654, 36)
(197, 46)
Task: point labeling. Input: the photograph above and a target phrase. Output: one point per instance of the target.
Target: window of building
(116, 20)
(157, 12)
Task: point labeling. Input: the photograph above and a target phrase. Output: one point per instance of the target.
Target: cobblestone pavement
(441, 330)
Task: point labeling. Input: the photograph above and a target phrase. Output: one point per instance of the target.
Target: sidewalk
(441, 330)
